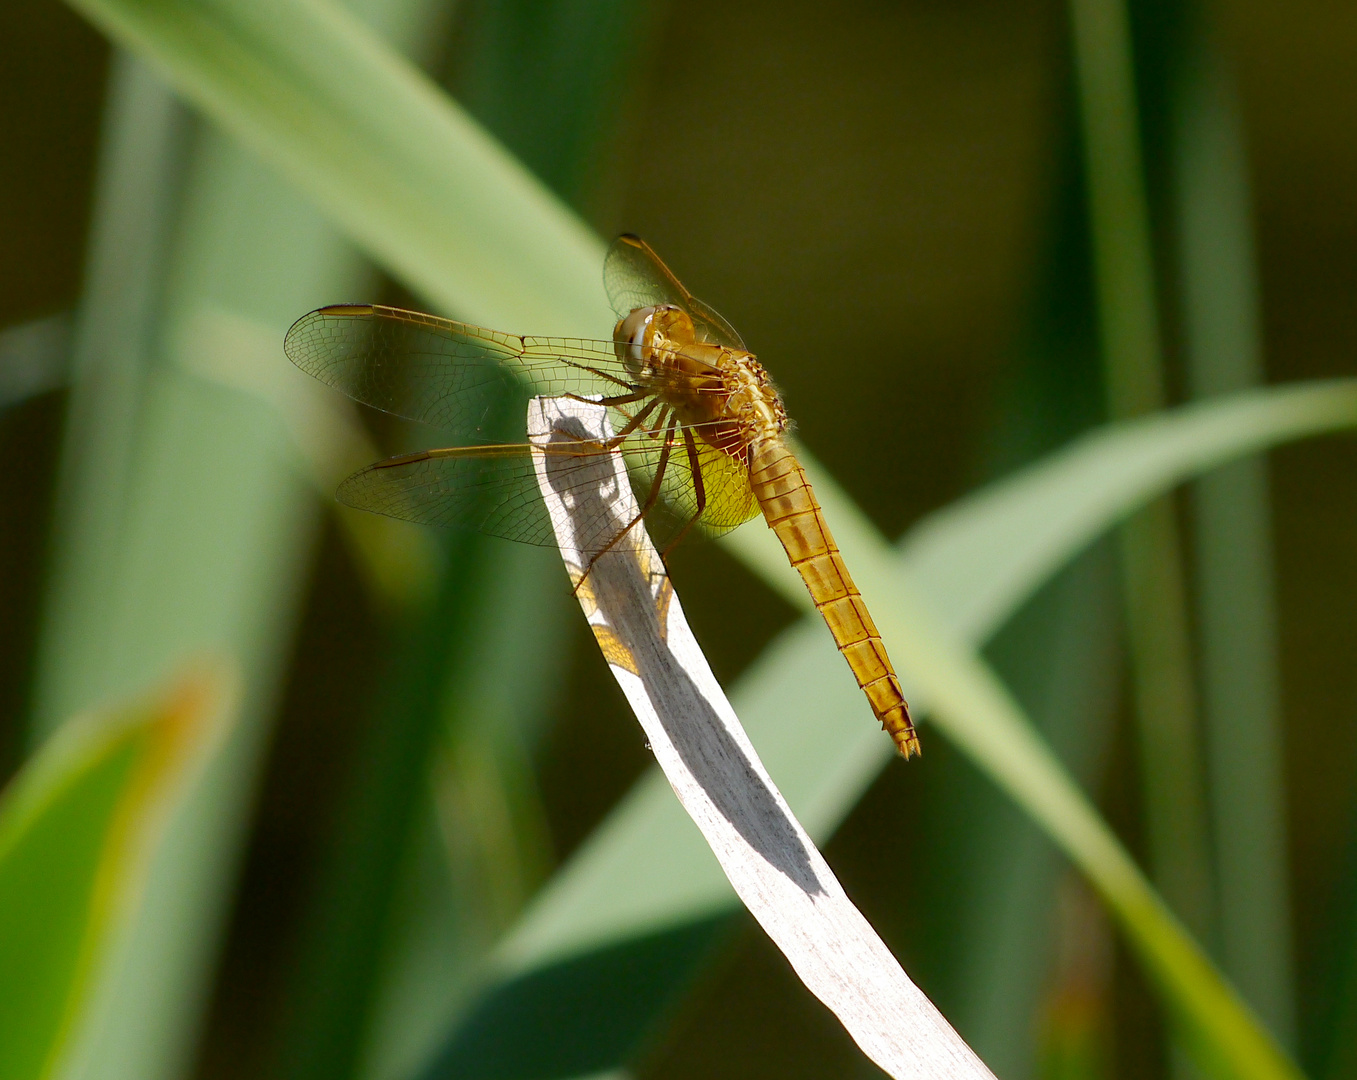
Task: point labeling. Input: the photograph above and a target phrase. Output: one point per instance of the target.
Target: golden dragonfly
(696, 418)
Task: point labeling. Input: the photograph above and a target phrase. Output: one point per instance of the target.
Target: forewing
(635, 277)
(442, 372)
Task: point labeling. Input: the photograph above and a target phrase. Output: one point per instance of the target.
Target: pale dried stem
(697, 740)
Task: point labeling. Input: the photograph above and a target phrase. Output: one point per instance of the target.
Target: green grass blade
(1119, 215)
(485, 840)
(1061, 656)
(1001, 959)
(77, 826)
(201, 534)
(396, 164)
(1155, 586)
(338, 975)
(481, 846)
(967, 701)
(143, 133)
(1236, 607)
(964, 557)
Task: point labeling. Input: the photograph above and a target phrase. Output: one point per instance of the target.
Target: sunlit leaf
(77, 828)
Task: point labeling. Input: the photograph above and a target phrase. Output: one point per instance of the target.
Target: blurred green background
(958, 242)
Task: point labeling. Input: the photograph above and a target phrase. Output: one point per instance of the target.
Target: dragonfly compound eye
(638, 333)
(629, 338)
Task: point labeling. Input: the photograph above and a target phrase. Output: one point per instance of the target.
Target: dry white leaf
(697, 740)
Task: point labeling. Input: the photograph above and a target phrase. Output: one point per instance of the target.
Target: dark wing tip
(629, 238)
(345, 309)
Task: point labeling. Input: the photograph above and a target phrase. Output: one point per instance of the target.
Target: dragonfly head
(637, 336)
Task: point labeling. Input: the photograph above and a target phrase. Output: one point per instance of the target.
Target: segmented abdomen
(790, 508)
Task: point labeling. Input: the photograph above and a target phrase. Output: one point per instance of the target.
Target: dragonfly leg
(699, 490)
(651, 498)
(658, 427)
(596, 371)
(632, 424)
(619, 399)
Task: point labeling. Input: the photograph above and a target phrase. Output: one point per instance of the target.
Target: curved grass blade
(186, 525)
(1234, 563)
(390, 158)
(1164, 696)
(77, 827)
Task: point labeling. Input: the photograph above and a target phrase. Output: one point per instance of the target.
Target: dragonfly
(694, 415)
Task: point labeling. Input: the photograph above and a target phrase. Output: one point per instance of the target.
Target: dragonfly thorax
(723, 392)
(753, 400)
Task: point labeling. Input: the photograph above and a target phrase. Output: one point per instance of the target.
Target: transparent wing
(635, 277)
(441, 372)
(489, 488)
(494, 488)
(458, 377)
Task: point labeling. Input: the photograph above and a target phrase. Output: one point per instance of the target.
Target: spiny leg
(616, 399)
(631, 425)
(661, 422)
(699, 490)
(594, 371)
(653, 495)
(651, 498)
(621, 399)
